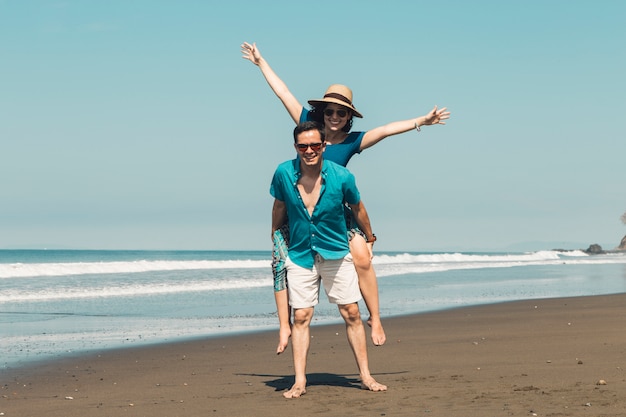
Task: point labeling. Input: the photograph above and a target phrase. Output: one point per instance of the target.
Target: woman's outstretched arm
(252, 54)
(435, 116)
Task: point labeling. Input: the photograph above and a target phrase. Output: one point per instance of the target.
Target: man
(310, 192)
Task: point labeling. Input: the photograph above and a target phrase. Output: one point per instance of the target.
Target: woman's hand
(436, 116)
(251, 53)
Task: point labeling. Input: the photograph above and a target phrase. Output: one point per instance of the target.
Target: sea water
(57, 302)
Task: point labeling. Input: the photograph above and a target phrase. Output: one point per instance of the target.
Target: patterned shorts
(279, 256)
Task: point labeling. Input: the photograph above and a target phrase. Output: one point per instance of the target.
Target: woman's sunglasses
(340, 112)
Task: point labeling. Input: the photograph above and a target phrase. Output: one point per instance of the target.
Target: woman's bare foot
(283, 339)
(370, 384)
(296, 391)
(378, 333)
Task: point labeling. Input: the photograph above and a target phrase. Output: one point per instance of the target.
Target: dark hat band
(338, 97)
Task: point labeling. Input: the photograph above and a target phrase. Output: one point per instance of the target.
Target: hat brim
(336, 101)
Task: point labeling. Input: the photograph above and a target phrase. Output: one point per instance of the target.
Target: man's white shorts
(339, 278)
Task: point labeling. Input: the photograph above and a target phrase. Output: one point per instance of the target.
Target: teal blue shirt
(324, 232)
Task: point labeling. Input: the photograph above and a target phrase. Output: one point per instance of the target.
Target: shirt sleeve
(304, 116)
(351, 192)
(358, 140)
(276, 187)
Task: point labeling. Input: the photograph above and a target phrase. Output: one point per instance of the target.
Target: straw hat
(338, 94)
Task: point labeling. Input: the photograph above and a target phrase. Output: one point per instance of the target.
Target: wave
(471, 258)
(387, 264)
(424, 263)
(23, 270)
(130, 290)
(236, 275)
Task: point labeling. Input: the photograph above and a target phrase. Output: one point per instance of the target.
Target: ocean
(59, 302)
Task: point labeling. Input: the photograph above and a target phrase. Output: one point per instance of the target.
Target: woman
(335, 111)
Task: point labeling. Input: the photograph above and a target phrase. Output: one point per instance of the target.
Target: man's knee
(350, 312)
(302, 316)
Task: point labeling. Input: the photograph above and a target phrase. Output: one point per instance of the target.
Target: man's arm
(279, 215)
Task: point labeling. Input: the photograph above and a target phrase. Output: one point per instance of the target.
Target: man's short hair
(305, 127)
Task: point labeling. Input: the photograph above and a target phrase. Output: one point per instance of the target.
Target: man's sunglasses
(315, 147)
(340, 112)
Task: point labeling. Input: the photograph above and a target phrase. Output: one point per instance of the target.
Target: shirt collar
(297, 173)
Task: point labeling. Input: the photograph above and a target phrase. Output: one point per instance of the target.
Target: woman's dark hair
(317, 114)
(305, 127)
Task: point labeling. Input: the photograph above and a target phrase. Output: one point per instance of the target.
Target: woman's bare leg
(280, 238)
(284, 319)
(369, 286)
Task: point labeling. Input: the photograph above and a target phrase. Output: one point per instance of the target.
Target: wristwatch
(371, 239)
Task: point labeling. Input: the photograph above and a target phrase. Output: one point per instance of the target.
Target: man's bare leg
(284, 320)
(356, 337)
(368, 285)
(300, 339)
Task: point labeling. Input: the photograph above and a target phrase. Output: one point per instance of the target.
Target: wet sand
(552, 357)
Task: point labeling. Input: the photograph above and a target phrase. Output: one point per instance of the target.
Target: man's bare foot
(370, 384)
(296, 391)
(378, 333)
(283, 340)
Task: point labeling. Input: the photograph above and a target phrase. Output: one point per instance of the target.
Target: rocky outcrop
(594, 249)
(622, 245)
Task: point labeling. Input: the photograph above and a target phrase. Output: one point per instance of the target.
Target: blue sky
(137, 124)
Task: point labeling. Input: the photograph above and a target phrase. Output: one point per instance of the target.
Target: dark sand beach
(549, 357)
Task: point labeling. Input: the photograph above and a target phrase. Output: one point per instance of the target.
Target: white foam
(131, 290)
(21, 270)
(390, 264)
